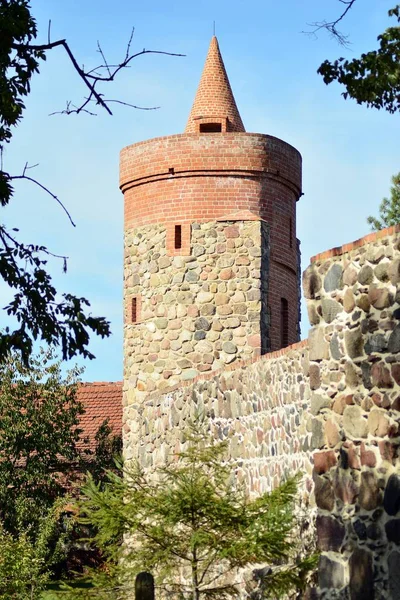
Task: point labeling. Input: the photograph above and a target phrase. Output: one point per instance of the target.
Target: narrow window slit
(178, 237)
(284, 323)
(134, 310)
(291, 232)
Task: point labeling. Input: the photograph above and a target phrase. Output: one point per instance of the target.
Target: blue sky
(349, 152)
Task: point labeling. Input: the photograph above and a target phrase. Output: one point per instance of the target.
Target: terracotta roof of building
(214, 97)
(102, 400)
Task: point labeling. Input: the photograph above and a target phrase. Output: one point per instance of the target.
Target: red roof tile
(102, 400)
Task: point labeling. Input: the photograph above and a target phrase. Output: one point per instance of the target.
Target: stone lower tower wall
(353, 297)
(198, 311)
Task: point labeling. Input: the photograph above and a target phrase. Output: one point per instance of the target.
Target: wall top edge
(225, 136)
(100, 383)
(367, 239)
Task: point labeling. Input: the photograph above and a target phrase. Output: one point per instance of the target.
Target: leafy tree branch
(374, 78)
(389, 209)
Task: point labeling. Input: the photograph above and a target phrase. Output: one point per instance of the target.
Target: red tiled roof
(102, 400)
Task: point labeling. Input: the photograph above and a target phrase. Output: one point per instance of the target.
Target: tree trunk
(195, 578)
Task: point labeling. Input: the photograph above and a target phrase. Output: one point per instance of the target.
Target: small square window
(210, 127)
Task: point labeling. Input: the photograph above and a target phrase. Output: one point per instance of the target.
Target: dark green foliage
(38, 311)
(26, 561)
(41, 449)
(374, 78)
(389, 209)
(16, 66)
(100, 458)
(191, 517)
(42, 456)
(39, 434)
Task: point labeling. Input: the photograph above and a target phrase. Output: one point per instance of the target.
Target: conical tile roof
(214, 98)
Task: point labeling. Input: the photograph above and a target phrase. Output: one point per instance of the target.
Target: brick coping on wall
(99, 383)
(367, 239)
(232, 367)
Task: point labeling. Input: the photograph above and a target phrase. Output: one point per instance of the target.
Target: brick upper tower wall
(167, 159)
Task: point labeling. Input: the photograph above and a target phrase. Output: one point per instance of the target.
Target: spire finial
(214, 28)
(214, 101)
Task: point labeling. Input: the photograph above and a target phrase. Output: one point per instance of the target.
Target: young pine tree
(192, 527)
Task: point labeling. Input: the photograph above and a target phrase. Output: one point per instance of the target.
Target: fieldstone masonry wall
(328, 406)
(261, 407)
(354, 305)
(198, 312)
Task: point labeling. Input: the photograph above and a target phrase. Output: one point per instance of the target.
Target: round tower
(211, 256)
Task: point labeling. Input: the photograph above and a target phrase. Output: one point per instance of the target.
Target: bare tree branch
(71, 108)
(126, 62)
(104, 58)
(4, 234)
(43, 187)
(331, 26)
(132, 105)
(93, 77)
